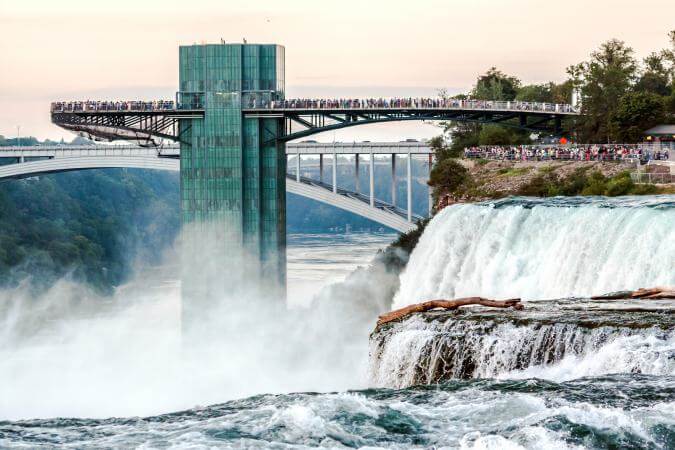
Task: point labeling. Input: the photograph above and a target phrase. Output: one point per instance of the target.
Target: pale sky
(80, 49)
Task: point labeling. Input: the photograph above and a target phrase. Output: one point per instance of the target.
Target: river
(609, 388)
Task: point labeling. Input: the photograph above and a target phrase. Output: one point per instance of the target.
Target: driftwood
(652, 293)
(447, 305)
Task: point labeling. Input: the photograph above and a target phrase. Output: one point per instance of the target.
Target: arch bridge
(25, 162)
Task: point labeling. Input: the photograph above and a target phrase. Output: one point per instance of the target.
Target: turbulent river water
(558, 378)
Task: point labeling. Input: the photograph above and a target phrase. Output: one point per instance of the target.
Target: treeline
(91, 225)
(31, 140)
(620, 98)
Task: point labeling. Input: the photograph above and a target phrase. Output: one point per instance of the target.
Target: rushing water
(564, 374)
(551, 340)
(543, 249)
(617, 411)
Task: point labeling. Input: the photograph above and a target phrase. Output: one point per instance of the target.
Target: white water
(542, 249)
(72, 353)
(417, 351)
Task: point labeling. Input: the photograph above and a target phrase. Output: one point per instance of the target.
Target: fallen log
(447, 305)
(659, 292)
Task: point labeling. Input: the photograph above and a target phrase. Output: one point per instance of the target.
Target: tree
(448, 176)
(536, 93)
(441, 149)
(464, 134)
(670, 103)
(495, 85)
(637, 112)
(604, 80)
(500, 135)
(655, 78)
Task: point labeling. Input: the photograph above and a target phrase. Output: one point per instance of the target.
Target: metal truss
(303, 123)
(149, 128)
(146, 128)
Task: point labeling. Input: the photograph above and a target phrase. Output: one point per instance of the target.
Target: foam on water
(622, 411)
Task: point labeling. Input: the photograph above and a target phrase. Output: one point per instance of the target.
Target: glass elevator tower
(233, 168)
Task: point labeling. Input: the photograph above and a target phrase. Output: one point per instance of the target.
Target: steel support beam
(334, 172)
(297, 167)
(409, 183)
(393, 179)
(371, 171)
(357, 181)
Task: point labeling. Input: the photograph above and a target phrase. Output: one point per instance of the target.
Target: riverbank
(492, 179)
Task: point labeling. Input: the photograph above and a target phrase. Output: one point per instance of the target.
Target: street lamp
(18, 135)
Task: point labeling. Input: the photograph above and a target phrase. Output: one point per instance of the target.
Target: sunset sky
(79, 49)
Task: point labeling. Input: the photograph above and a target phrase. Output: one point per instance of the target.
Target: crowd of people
(342, 103)
(158, 105)
(413, 103)
(594, 152)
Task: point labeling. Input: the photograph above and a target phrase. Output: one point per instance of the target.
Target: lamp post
(18, 135)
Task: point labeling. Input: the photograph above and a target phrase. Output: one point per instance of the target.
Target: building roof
(661, 130)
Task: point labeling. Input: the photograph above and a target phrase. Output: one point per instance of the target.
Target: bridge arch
(382, 213)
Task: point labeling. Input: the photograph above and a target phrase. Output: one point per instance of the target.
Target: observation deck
(148, 122)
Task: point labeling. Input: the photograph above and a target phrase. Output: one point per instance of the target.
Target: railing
(412, 103)
(252, 102)
(65, 151)
(572, 152)
(95, 106)
(652, 178)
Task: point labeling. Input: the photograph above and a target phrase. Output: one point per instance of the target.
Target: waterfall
(536, 249)
(539, 249)
(426, 351)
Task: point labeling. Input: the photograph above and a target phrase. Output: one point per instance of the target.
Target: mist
(69, 352)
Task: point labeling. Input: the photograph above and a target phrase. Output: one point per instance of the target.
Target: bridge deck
(173, 150)
(334, 106)
(140, 157)
(147, 121)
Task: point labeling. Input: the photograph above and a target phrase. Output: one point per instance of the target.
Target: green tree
(604, 80)
(500, 135)
(495, 85)
(635, 113)
(441, 149)
(656, 76)
(536, 93)
(448, 175)
(670, 103)
(463, 135)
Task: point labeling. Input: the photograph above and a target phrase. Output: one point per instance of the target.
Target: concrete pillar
(372, 179)
(357, 182)
(22, 159)
(321, 167)
(409, 182)
(297, 167)
(393, 179)
(334, 172)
